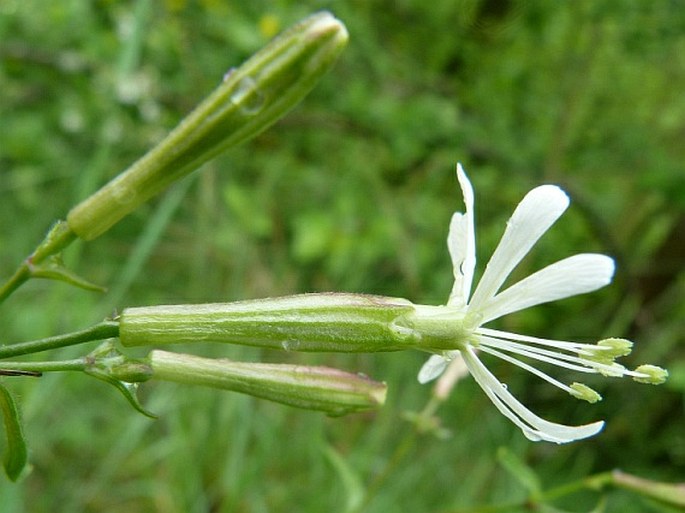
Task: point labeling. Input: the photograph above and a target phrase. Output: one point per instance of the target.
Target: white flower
(578, 274)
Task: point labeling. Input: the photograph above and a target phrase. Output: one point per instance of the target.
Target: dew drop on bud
(228, 74)
(247, 97)
(290, 345)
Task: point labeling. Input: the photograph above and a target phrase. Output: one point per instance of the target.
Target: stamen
(584, 392)
(559, 359)
(529, 368)
(574, 347)
(609, 349)
(650, 374)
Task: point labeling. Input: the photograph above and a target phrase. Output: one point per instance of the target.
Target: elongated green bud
(307, 322)
(314, 388)
(250, 99)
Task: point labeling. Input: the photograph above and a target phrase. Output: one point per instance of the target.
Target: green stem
(595, 482)
(106, 329)
(78, 364)
(58, 238)
(22, 274)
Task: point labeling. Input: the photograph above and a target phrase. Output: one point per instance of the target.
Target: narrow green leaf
(16, 455)
(54, 269)
(352, 483)
(519, 470)
(128, 390)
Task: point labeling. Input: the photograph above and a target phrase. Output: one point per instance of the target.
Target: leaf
(128, 390)
(16, 456)
(520, 471)
(54, 269)
(354, 489)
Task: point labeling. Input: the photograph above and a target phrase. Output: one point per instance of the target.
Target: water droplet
(290, 345)
(228, 74)
(131, 387)
(248, 97)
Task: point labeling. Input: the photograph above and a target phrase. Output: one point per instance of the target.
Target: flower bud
(332, 391)
(250, 99)
(306, 322)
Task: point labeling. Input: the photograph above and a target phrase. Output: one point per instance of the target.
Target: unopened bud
(251, 98)
(332, 391)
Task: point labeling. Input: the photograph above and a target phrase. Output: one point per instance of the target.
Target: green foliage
(15, 451)
(351, 192)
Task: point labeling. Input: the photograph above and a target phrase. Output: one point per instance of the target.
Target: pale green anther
(609, 349)
(584, 392)
(612, 370)
(651, 374)
(332, 391)
(306, 322)
(250, 98)
(616, 347)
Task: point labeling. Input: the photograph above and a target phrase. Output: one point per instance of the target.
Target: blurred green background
(352, 191)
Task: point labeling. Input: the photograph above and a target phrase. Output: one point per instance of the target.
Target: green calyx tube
(308, 322)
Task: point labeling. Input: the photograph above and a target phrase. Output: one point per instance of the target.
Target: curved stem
(22, 274)
(103, 330)
(58, 238)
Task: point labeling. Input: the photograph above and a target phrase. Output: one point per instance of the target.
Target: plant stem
(103, 330)
(594, 482)
(22, 274)
(78, 364)
(58, 238)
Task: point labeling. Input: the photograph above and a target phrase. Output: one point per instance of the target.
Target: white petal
(461, 243)
(538, 210)
(456, 244)
(569, 277)
(434, 366)
(533, 427)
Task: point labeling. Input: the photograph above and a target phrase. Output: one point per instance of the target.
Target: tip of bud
(324, 23)
(650, 374)
(584, 392)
